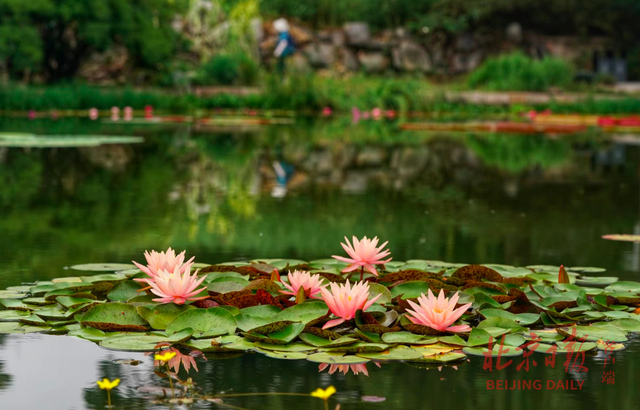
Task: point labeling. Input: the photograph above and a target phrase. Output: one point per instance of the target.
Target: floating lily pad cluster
(245, 311)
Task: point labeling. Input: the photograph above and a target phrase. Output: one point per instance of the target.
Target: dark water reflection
(462, 198)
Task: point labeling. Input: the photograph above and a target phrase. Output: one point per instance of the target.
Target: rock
(337, 38)
(105, 67)
(346, 157)
(300, 35)
(410, 56)
(466, 62)
(323, 35)
(348, 60)
(320, 162)
(373, 62)
(412, 160)
(357, 33)
(371, 156)
(320, 55)
(355, 182)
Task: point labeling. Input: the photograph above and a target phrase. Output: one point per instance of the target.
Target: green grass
(306, 94)
(517, 72)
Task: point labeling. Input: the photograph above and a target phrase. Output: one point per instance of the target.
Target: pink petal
(332, 323)
(458, 329)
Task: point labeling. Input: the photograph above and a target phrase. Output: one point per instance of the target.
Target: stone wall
(354, 48)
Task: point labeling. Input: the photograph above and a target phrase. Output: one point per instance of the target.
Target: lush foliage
(54, 36)
(519, 72)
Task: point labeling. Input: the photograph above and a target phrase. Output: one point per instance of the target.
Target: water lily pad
(13, 315)
(396, 353)
(160, 316)
(442, 358)
(14, 304)
(205, 322)
(595, 333)
(124, 291)
(17, 328)
(377, 289)
(71, 302)
(318, 341)
(142, 342)
(410, 290)
(290, 347)
(281, 336)
(452, 340)
(407, 338)
(336, 358)
(359, 347)
(502, 323)
(479, 337)
(114, 316)
(282, 355)
(304, 312)
(611, 347)
(89, 333)
(624, 286)
(220, 345)
(41, 301)
(226, 286)
(368, 336)
(103, 267)
(507, 351)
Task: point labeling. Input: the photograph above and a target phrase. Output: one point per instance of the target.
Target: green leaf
(396, 353)
(359, 347)
(624, 286)
(103, 267)
(336, 358)
(595, 333)
(282, 355)
(318, 341)
(407, 338)
(282, 336)
(376, 289)
(124, 291)
(408, 290)
(479, 337)
(304, 312)
(290, 347)
(205, 322)
(114, 316)
(503, 323)
(160, 316)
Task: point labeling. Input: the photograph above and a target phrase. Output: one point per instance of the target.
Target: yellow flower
(324, 394)
(165, 357)
(106, 384)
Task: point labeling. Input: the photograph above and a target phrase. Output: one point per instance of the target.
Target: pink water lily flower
(177, 287)
(157, 261)
(344, 368)
(438, 314)
(300, 279)
(364, 254)
(344, 300)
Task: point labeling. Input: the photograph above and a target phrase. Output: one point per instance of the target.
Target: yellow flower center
(438, 310)
(349, 298)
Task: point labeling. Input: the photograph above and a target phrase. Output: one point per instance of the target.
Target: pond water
(465, 198)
